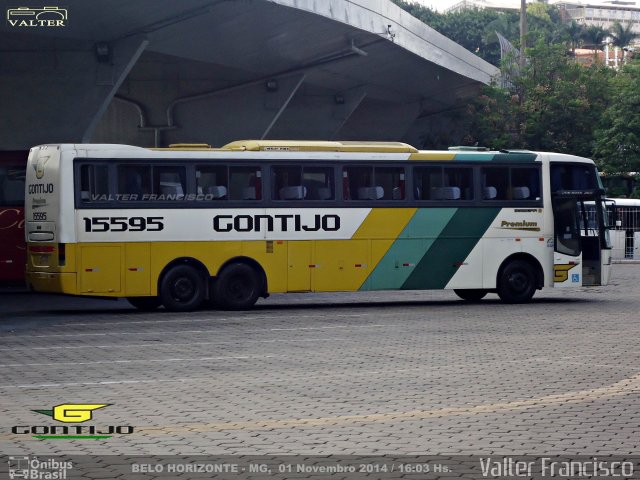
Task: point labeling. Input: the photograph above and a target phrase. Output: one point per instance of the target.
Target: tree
(574, 32)
(594, 36)
(622, 36)
(467, 27)
(617, 144)
(554, 104)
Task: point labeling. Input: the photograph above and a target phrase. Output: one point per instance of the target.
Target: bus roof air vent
(469, 149)
(189, 145)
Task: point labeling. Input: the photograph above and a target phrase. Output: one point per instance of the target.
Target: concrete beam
(287, 88)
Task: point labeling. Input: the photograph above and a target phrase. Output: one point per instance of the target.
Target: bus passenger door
(596, 244)
(567, 255)
(299, 266)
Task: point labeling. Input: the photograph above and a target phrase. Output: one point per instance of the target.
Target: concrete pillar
(126, 53)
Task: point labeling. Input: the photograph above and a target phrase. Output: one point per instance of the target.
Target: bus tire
(145, 304)
(517, 282)
(237, 287)
(182, 289)
(471, 294)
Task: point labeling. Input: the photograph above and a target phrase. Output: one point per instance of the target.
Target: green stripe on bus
(481, 157)
(423, 229)
(454, 244)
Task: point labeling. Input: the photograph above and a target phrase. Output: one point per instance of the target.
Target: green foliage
(622, 36)
(555, 105)
(617, 143)
(594, 36)
(475, 29)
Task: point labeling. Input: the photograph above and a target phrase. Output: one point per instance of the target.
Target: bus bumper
(52, 282)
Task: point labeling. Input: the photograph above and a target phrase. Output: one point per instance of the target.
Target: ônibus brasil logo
(72, 413)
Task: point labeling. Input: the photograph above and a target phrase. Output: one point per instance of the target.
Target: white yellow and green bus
(188, 225)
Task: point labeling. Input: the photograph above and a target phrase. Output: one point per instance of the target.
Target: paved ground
(395, 372)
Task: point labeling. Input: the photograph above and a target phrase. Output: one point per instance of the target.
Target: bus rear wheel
(517, 282)
(182, 289)
(145, 304)
(237, 287)
(471, 294)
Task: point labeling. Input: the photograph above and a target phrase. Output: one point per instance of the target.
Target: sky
(441, 5)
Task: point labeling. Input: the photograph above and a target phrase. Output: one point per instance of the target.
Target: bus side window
(169, 183)
(495, 183)
(458, 183)
(212, 183)
(134, 182)
(358, 183)
(392, 182)
(94, 183)
(286, 183)
(525, 184)
(426, 180)
(319, 183)
(245, 183)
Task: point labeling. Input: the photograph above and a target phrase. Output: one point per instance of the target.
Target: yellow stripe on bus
(432, 156)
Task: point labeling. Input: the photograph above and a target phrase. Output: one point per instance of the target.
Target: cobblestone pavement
(369, 373)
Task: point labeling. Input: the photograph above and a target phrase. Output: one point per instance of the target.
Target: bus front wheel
(517, 282)
(182, 289)
(237, 287)
(144, 304)
(471, 294)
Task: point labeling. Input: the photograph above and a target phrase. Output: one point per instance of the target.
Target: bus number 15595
(123, 224)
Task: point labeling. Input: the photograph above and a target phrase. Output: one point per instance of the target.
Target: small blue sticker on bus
(575, 278)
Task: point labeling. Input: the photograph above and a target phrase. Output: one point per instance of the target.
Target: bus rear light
(41, 249)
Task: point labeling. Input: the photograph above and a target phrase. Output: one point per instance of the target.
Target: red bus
(12, 246)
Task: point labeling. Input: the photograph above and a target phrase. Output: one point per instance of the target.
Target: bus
(190, 225)
(13, 250)
(624, 215)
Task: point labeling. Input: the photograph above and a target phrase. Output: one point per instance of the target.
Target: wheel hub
(183, 289)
